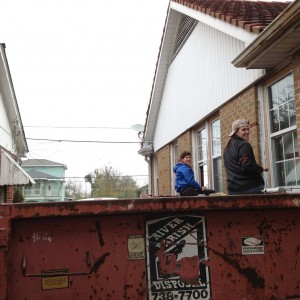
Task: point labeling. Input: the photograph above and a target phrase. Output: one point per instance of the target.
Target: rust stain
(100, 235)
(292, 297)
(250, 273)
(127, 290)
(100, 261)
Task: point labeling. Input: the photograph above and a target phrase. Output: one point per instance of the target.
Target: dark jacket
(185, 177)
(242, 170)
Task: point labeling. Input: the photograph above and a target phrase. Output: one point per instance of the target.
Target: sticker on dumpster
(177, 258)
(136, 247)
(57, 281)
(253, 245)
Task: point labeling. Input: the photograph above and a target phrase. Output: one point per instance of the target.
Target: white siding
(199, 80)
(6, 140)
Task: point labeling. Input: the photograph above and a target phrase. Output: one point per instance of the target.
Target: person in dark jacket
(185, 183)
(243, 172)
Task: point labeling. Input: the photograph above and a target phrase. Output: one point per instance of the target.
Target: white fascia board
(225, 27)
(11, 104)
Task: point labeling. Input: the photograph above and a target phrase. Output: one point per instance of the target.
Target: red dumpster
(222, 247)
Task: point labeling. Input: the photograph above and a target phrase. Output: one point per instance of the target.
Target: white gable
(199, 80)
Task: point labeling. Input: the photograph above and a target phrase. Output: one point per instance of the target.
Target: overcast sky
(84, 63)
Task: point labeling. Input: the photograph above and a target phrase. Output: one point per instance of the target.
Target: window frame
(281, 133)
(216, 158)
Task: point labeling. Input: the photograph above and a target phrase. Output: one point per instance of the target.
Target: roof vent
(185, 28)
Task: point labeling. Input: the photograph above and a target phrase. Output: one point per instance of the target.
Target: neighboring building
(219, 61)
(13, 143)
(49, 177)
(143, 191)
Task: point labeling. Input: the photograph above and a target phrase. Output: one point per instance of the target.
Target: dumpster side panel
(270, 267)
(99, 251)
(60, 245)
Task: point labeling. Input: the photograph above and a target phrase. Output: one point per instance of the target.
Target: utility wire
(111, 175)
(78, 127)
(77, 141)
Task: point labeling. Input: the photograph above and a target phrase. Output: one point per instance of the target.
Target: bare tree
(73, 190)
(109, 182)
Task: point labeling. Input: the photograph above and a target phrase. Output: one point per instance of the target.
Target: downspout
(147, 160)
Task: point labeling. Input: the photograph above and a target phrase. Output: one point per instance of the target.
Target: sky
(82, 70)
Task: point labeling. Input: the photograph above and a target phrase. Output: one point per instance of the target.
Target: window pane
(288, 146)
(278, 149)
(202, 152)
(273, 96)
(291, 176)
(298, 170)
(283, 117)
(216, 138)
(292, 112)
(205, 176)
(199, 146)
(218, 179)
(279, 170)
(290, 85)
(295, 144)
(282, 92)
(274, 120)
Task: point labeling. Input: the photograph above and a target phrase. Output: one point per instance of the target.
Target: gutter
(289, 16)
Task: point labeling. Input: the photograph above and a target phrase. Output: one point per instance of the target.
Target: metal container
(221, 247)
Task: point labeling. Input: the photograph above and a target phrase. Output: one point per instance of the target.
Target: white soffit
(11, 173)
(229, 29)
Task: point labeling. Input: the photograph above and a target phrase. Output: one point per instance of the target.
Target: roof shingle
(251, 15)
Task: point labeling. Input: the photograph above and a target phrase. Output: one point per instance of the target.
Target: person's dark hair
(227, 144)
(184, 154)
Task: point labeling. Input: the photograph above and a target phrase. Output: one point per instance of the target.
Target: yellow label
(53, 280)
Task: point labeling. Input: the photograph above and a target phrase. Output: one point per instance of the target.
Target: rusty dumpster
(166, 248)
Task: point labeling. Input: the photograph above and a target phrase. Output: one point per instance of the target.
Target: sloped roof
(40, 175)
(253, 16)
(41, 162)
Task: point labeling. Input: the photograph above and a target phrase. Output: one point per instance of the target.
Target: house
(49, 177)
(220, 61)
(13, 145)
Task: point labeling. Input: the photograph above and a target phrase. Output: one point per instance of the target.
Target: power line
(79, 127)
(112, 176)
(77, 141)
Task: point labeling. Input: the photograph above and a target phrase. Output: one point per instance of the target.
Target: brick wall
(9, 194)
(185, 142)
(164, 163)
(163, 171)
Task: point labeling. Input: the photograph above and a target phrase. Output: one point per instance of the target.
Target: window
(283, 132)
(216, 156)
(202, 157)
(174, 161)
(34, 190)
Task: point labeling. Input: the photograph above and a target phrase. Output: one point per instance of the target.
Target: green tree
(109, 182)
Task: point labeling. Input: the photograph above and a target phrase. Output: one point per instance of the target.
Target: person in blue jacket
(185, 183)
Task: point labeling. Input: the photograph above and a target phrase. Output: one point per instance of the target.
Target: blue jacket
(185, 177)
